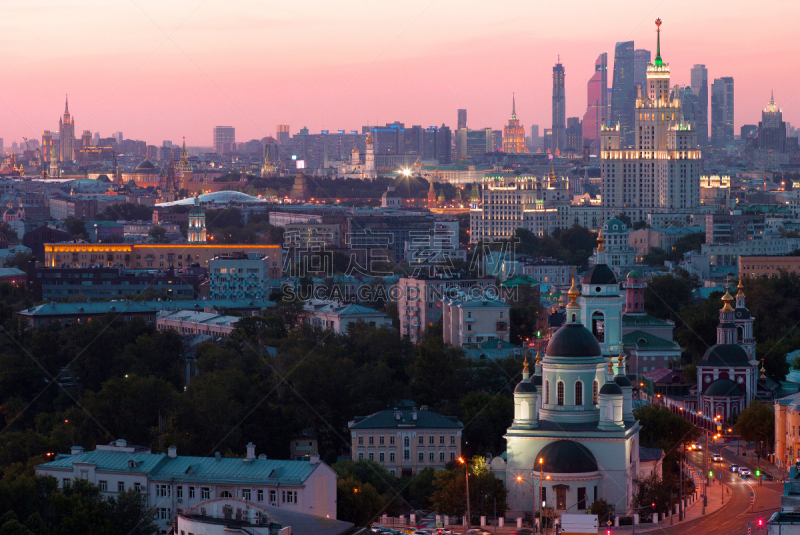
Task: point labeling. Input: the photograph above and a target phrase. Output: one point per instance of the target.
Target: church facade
(574, 439)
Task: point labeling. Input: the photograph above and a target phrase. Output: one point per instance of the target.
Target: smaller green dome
(634, 274)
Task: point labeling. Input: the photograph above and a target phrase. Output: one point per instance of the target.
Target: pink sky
(342, 64)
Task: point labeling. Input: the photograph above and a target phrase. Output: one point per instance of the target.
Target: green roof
(644, 320)
(520, 281)
(105, 307)
(646, 341)
(404, 418)
(160, 466)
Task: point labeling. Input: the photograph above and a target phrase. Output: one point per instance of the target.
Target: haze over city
(341, 65)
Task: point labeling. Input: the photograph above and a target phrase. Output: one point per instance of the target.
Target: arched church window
(594, 392)
(578, 393)
(599, 326)
(560, 392)
(574, 318)
(524, 410)
(740, 334)
(547, 392)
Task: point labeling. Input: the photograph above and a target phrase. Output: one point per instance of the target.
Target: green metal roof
(162, 467)
(645, 341)
(105, 307)
(644, 320)
(404, 418)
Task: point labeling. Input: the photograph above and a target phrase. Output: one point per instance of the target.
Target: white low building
(338, 316)
(228, 516)
(193, 322)
(174, 484)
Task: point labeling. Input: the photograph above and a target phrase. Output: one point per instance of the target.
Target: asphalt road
(733, 517)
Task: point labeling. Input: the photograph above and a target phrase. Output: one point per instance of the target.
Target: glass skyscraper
(623, 96)
(722, 112)
(597, 106)
(700, 91)
(559, 110)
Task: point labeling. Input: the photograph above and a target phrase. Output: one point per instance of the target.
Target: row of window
(165, 491)
(578, 392)
(406, 440)
(407, 456)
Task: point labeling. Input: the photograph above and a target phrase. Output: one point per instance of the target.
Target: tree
(666, 294)
(21, 260)
(158, 234)
(131, 515)
(756, 424)
(357, 502)
(76, 227)
(484, 490)
(603, 509)
(652, 496)
(8, 232)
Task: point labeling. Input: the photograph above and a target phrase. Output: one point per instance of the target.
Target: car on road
(744, 471)
(695, 446)
(478, 532)
(717, 458)
(734, 468)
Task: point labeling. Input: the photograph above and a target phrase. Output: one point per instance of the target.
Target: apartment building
(419, 299)
(172, 482)
(469, 319)
(768, 266)
(406, 439)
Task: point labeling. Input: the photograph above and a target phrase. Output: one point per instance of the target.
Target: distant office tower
(772, 129)
(66, 135)
(473, 143)
(412, 140)
(597, 109)
(497, 140)
(118, 137)
(536, 141)
(96, 139)
(47, 146)
(436, 144)
(722, 112)
(514, 133)
(641, 58)
(86, 139)
(624, 92)
(224, 139)
(700, 91)
(282, 133)
(547, 139)
(559, 109)
(689, 106)
(462, 119)
(662, 174)
(574, 133)
(2, 148)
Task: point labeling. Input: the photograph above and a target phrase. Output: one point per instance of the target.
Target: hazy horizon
(157, 71)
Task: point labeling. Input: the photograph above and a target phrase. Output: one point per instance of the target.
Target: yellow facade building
(514, 133)
(149, 255)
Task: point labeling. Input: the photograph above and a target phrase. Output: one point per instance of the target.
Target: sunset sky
(159, 70)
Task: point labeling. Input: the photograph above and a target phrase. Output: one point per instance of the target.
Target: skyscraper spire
(513, 106)
(658, 62)
(66, 106)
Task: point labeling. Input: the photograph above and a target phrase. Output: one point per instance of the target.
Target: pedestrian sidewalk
(693, 511)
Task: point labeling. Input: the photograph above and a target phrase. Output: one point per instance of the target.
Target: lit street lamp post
(466, 472)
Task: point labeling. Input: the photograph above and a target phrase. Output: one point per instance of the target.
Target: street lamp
(466, 472)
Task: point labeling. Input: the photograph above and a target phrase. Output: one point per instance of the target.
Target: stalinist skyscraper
(661, 173)
(66, 135)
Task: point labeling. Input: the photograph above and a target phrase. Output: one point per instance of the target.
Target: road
(733, 517)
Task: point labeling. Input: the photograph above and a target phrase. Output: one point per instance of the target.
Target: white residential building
(470, 319)
(338, 316)
(175, 483)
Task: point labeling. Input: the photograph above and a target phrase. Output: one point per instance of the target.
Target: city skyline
(193, 66)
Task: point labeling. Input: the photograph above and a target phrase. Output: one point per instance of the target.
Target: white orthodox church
(574, 437)
(355, 168)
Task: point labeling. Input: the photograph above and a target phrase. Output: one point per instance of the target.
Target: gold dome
(573, 292)
(355, 150)
(369, 139)
(600, 240)
(741, 287)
